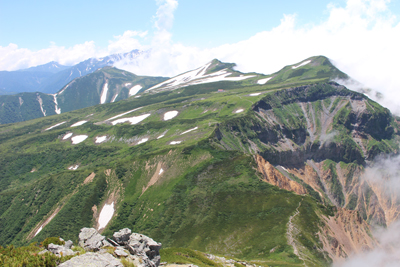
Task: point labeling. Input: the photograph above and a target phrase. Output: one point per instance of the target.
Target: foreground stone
(91, 259)
(60, 250)
(145, 252)
(91, 240)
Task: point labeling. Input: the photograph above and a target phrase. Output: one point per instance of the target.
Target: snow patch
(170, 115)
(188, 131)
(54, 126)
(38, 231)
(135, 89)
(255, 94)
(103, 97)
(79, 123)
(62, 91)
(161, 171)
(239, 110)
(100, 139)
(198, 76)
(264, 81)
(175, 142)
(39, 99)
(113, 99)
(73, 167)
(301, 64)
(127, 84)
(161, 136)
(56, 108)
(122, 114)
(143, 140)
(132, 120)
(68, 135)
(78, 139)
(105, 215)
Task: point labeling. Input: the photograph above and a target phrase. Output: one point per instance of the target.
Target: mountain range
(105, 85)
(264, 168)
(51, 77)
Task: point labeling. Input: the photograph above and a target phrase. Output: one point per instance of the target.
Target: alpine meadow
(223, 168)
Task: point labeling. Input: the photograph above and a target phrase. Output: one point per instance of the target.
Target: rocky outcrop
(274, 177)
(60, 250)
(138, 249)
(93, 259)
(344, 234)
(144, 251)
(91, 240)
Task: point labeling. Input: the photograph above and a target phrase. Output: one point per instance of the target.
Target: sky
(361, 37)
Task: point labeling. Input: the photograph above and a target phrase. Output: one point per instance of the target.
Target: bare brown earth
(344, 234)
(90, 178)
(274, 177)
(44, 223)
(154, 178)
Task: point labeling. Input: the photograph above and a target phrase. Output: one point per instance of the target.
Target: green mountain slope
(189, 165)
(105, 85)
(25, 106)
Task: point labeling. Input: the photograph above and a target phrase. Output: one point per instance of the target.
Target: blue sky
(35, 24)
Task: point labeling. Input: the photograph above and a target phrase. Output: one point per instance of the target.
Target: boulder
(60, 250)
(91, 259)
(90, 239)
(68, 244)
(120, 252)
(145, 252)
(122, 236)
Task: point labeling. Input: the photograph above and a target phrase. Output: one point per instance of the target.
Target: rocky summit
(136, 248)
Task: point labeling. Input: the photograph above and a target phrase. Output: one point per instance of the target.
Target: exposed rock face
(91, 240)
(60, 250)
(91, 259)
(274, 177)
(122, 236)
(346, 233)
(145, 252)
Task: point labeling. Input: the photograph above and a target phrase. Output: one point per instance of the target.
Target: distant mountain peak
(213, 71)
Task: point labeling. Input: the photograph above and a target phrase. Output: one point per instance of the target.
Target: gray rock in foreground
(60, 250)
(122, 236)
(91, 259)
(145, 252)
(91, 240)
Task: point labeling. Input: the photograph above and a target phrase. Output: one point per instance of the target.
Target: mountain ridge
(179, 164)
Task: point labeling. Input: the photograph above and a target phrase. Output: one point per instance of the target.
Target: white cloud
(384, 173)
(126, 42)
(361, 38)
(13, 58)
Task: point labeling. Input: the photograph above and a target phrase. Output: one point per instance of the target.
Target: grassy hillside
(191, 181)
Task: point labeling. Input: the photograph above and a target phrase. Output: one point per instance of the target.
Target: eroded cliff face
(274, 177)
(344, 234)
(325, 135)
(344, 185)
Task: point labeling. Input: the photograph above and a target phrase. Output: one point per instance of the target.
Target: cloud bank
(383, 173)
(361, 38)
